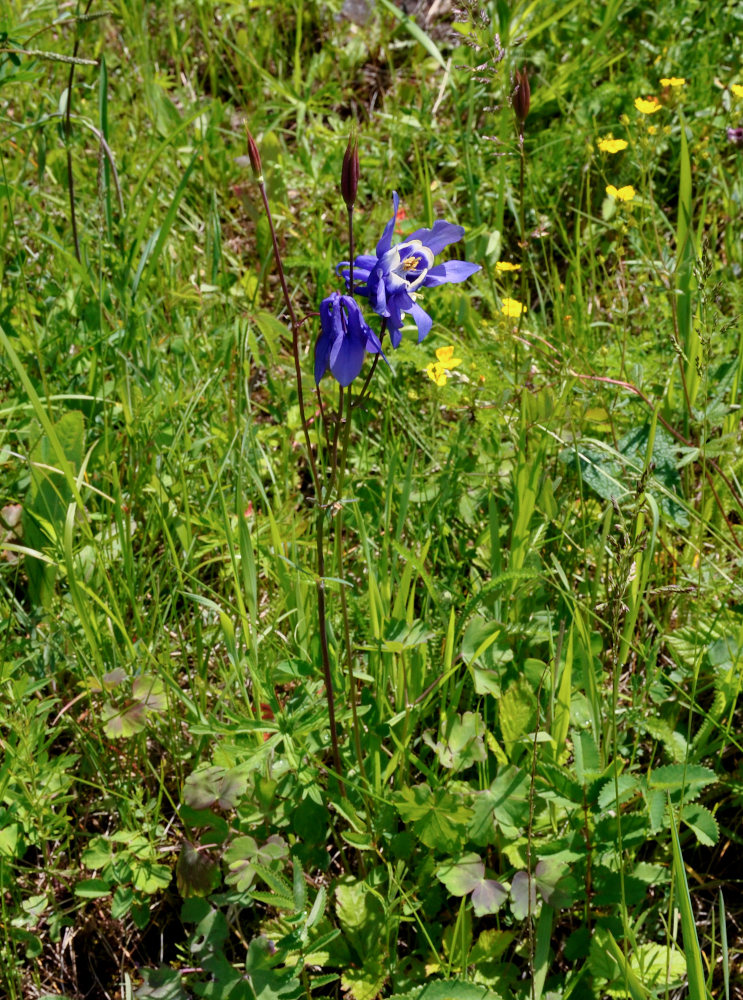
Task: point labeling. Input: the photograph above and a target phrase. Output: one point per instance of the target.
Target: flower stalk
(255, 161)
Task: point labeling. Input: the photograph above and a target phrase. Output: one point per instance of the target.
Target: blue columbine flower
(391, 278)
(344, 339)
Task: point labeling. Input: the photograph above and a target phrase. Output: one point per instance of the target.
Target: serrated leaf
(587, 759)
(656, 806)
(677, 778)
(438, 817)
(360, 914)
(449, 989)
(517, 713)
(366, 983)
(627, 784)
(702, 822)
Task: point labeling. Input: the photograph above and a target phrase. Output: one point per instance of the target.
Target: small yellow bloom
(446, 357)
(512, 308)
(611, 145)
(652, 129)
(436, 372)
(506, 265)
(672, 81)
(624, 119)
(626, 193)
(737, 89)
(647, 105)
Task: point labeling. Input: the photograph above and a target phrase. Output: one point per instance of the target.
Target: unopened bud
(521, 95)
(255, 156)
(350, 171)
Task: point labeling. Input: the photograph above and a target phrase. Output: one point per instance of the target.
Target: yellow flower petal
(512, 308)
(506, 265)
(611, 145)
(446, 357)
(737, 89)
(626, 193)
(436, 372)
(672, 81)
(647, 105)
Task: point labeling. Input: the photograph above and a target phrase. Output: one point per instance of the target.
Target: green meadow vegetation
(533, 631)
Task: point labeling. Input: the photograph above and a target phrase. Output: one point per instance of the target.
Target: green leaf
(97, 853)
(517, 713)
(462, 875)
(196, 873)
(488, 896)
(149, 877)
(217, 784)
(464, 744)
(628, 785)
(504, 805)
(522, 888)
(161, 984)
(679, 780)
(439, 818)
(121, 902)
(92, 888)
(243, 857)
(702, 822)
(449, 989)
(150, 693)
(556, 885)
(361, 915)
(365, 983)
(587, 759)
(121, 723)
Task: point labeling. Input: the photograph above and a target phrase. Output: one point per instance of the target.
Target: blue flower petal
(422, 320)
(347, 358)
(386, 241)
(442, 234)
(452, 270)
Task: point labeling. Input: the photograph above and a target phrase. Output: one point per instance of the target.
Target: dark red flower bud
(255, 156)
(350, 171)
(521, 96)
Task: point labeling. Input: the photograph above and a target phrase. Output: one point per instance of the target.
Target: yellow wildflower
(737, 89)
(436, 372)
(626, 193)
(652, 129)
(611, 145)
(672, 81)
(512, 308)
(506, 265)
(446, 357)
(647, 105)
